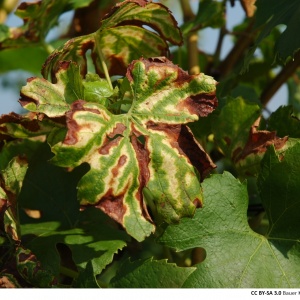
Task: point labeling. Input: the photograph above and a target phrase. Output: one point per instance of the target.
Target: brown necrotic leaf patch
(113, 205)
(258, 143)
(73, 127)
(201, 104)
(182, 139)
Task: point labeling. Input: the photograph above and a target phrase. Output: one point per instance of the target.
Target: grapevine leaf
(86, 278)
(30, 125)
(121, 38)
(39, 17)
(21, 58)
(11, 181)
(31, 270)
(150, 273)
(232, 124)
(148, 147)
(236, 132)
(86, 241)
(248, 259)
(284, 122)
(269, 15)
(39, 95)
(247, 160)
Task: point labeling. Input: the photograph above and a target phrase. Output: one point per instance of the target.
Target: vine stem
(192, 39)
(48, 47)
(238, 51)
(103, 65)
(287, 71)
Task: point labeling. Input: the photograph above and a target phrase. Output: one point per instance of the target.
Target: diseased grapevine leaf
(30, 269)
(231, 126)
(236, 132)
(39, 17)
(11, 181)
(14, 126)
(148, 147)
(150, 273)
(53, 99)
(247, 259)
(121, 38)
(247, 160)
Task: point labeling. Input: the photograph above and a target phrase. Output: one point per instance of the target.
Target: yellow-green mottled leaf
(148, 147)
(121, 38)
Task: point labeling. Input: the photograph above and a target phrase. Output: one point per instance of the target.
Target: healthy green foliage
(150, 274)
(247, 258)
(126, 171)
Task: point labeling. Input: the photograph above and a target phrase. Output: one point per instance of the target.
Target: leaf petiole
(103, 65)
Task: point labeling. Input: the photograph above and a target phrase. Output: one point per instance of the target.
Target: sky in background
(9, 97)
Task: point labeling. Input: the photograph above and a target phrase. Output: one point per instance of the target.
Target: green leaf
(269, 15)
(150, 274)
(39, 95)
(96, 89)
(232, 125)
(86, 241)
(39, 17)
(283, 121)
(86, 278)
(22, 58)
(121, 39)
(147, 147)
(247, 259)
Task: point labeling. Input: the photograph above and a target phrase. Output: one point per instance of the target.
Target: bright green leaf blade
(39, 95)
(150, 274)
(248, 260)
(22, 58)
(143, 147)
(96, 89)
